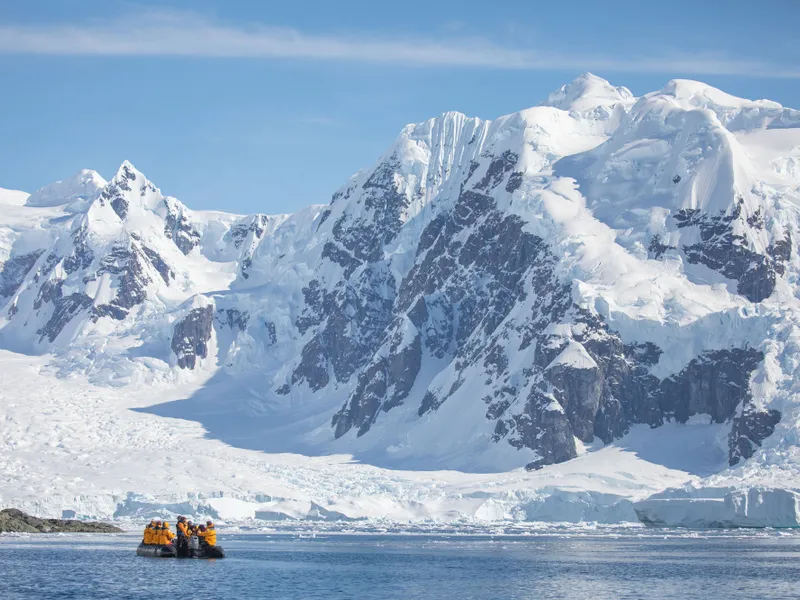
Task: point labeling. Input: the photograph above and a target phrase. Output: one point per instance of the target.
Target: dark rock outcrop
(127, 264)
(255, 225)
(14, 270)
(13, 520)
(65, 308)
(159, 264)
(233, 318)
(728, 253)
(383, 385)
(191, 335)
(750, 427)
(715, 383)
(178, 228)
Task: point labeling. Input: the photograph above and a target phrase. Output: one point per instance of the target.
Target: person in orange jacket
(182, 527)
(183, 533)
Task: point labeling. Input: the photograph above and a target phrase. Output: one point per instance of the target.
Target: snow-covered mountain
(489, 295)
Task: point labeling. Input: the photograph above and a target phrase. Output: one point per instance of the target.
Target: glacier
(583, 311)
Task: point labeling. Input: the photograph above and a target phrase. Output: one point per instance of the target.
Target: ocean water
(545, 563)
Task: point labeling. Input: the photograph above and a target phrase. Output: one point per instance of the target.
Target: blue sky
(269, 106)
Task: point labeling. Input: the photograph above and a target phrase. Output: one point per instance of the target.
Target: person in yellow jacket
(148, 532)
(207, 537)
(212, 535)
(155, 535)
(160, 537)
(166, 534)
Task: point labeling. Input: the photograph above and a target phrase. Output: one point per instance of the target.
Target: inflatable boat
(193, 550)
(157, 551)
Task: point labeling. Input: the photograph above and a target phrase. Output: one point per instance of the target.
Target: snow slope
(551, 315)
(70, 445)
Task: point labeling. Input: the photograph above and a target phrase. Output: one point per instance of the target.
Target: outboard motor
(194, 546)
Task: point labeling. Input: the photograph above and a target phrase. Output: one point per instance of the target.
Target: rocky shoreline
(13, 520)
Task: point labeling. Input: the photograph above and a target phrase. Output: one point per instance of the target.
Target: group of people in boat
(158, 533)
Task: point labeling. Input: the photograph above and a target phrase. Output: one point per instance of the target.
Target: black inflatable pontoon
(157, 551)
(193, 549)
(207, 552)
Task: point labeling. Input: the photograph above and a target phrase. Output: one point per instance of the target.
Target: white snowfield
(71, 445)
(103, 414)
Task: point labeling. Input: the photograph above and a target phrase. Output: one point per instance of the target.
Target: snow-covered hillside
(548, 301)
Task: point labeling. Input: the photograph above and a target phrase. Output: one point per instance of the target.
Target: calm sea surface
(563, 564)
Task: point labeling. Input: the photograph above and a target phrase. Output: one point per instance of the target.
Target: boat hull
(157, 551)
(201, 552)
(208, 552)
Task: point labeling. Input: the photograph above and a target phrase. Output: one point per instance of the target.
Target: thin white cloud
(191, 35)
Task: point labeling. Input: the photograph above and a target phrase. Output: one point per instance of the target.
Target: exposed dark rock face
(255, 225)
(545, 422)
(245, 236)
(383, 385)
(341, 257)
(159, 264)
(657, 248)
(113, 192)
(246, 263)
(365, 300)
(127, 263)
(750, 428)
(13, 520)
(65, 309)
(191, 336)
(363, 237)
(579, 392)
(178, 228)
(81, 256)
(14, 270)
(120, 206)
(497, 171)
(272, 332)
(365, 295)
(233, 318)
(728, 253)
(714, 383)
(514, 182)
(313, 368)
